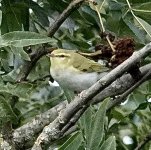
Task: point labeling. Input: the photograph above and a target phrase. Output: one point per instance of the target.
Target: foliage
(25, 23)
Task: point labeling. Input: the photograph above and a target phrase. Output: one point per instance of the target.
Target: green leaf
(73, 143)
(6, 112)
(118, 113)
(97, 133)
(142, 106)
(40, 13)
(24, 38)
(86, 123)
(142, 7)
(15, 16)
(68, 94)
(145, 26)
(21, 90)
(139, 34)
(109, 144)
(20, 52)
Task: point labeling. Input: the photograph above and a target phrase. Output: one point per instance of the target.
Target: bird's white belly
(74, 81)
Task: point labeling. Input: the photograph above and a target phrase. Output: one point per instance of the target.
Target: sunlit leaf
(23, 38)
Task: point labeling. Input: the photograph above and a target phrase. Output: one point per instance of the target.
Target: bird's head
(61, 57)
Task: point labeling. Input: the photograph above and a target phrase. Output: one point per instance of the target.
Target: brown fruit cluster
(123, 49)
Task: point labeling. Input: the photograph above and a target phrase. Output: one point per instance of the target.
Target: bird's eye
(61, 56)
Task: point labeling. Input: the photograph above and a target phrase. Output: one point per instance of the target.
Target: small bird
(74, 71)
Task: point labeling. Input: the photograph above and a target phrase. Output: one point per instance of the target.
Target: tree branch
(28, 65)
(122, 97)
(28, 131)
(53, 130)
(75, 4)
(116, 88)
(120, 85)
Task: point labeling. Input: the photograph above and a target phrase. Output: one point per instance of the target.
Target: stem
(131, 10)
(100, 18)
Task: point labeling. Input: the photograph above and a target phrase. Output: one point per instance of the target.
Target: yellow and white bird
(74, 71)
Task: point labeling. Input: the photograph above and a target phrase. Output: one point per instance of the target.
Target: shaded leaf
(40, 13)
(20, 52)
(145, 26)
(142, 106)
(139, 34)
(15, 16)
(6, 112)
(21, 90)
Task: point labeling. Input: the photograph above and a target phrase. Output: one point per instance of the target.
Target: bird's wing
(84, 64)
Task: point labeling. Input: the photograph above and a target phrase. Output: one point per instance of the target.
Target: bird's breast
(73, 79)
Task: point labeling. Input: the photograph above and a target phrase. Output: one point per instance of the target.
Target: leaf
(144, 7)
(23, 38)
(109, 144)
(20, 52)
(68, 94)
(15, 16)
(40, 13)
(21, 90)
(73, 143)
(142, 106)
(139, 34)
(97, 133)
(145, 26)
(116, 5)
(6, 112)
(86, 123)
(118, 113)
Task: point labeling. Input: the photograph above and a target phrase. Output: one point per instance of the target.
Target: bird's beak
(50, 55)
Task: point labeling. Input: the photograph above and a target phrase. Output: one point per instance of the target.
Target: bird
(74, 71)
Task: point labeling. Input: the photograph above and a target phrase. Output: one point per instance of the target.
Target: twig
(143, 142)
(28, 65)
(74, 119)
(100, 18)
(75, 4)
(110, 43)
(120, 85)
(122, 97)
(52, 132)
(102, 26)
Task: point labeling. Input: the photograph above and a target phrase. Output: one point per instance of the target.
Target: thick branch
(28, 131)
(122, 97)
(52, 131)
(7, 142)
(118, 87)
